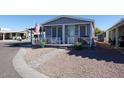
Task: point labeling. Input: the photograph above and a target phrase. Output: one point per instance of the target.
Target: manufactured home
(67, 30)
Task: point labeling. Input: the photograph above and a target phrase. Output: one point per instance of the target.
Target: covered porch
(68, 30)
(67, 33)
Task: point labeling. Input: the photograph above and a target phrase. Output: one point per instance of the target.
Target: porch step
(62, 46)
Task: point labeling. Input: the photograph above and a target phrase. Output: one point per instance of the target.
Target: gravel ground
(95, 63)
(33, 54)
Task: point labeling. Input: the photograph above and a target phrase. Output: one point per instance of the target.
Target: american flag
(37, 28)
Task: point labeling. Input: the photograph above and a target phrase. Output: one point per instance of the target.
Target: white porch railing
(53, 40)
(35, 41)
(70, 40)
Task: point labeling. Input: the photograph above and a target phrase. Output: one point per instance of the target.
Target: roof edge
(116, 25)
(78, 18)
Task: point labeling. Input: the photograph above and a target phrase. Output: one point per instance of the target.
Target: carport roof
(11, 31)
(120, 23)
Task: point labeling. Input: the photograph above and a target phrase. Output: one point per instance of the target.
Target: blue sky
(25, 21)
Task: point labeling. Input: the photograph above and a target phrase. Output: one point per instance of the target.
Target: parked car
(100, 38)
(19, 38)
(121, 41)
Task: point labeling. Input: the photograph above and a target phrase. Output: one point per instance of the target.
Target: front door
(71, 34)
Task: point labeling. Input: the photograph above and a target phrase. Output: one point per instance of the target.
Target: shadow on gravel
(99, 53)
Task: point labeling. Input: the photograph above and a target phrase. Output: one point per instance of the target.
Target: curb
(23, 69)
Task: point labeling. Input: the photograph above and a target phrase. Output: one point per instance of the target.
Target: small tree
(97, 31)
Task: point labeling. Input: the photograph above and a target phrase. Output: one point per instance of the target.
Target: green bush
(78, 45)
(42, 44)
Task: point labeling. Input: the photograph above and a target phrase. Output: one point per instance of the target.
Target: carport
(12, 35)
(115, 33)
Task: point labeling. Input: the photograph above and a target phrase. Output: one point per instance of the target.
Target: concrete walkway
(44, 58)
(23, 69)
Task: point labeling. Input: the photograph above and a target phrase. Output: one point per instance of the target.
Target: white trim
(51, 34)
(91, 35)
(56, 31)
(63, 34)
(92, 30)
(42, 33)
(86, 30)
(45, 31)
(107, 36)
(79, 30)
(116, 38)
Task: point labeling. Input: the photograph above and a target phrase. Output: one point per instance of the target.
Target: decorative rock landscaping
(62, 63)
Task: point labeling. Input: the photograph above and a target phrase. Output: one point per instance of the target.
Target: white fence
(53, 40)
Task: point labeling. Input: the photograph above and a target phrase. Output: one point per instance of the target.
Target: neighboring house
(101, 37)
(12, 35)
(116, 34)
(67, 30)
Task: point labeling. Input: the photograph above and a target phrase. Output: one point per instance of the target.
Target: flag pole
(37, 31)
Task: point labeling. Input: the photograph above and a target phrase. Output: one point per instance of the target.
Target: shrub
(78, 45)
(42, 44)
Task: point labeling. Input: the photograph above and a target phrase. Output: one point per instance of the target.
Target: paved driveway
(6, 55)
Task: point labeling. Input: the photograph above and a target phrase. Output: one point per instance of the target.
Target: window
(54, 32)
(82, 30)
(76, 30)
(48, 31)
(59, 31)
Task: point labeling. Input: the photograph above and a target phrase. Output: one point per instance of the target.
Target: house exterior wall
(107, 36)
(111, 35)
(121, 31)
